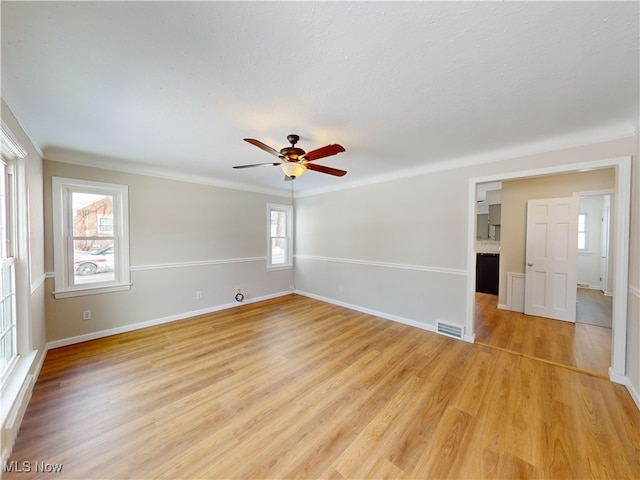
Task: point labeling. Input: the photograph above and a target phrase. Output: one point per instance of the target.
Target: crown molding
(11, 149)
(580, 139)
(118, 165)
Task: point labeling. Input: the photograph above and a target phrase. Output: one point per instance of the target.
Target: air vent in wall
(450, 329)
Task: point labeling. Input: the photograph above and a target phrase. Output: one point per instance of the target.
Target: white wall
(400, 248)
(184, 238)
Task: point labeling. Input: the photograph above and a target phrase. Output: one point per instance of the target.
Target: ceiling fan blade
(257, 165)
(322, 152)
(263, 146)
(323, 169)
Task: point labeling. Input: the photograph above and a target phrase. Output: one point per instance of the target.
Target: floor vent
(450, 330)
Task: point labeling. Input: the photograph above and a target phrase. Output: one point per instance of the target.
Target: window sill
(91, 291)
(279, 267)
(14, 384)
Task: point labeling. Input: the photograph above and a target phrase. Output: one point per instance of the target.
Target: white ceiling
(174, 87)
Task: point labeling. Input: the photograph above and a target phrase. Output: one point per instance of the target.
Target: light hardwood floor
(594, 307)
(296, 388)
(581, 346)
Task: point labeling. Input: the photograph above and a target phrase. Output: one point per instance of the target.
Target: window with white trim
(279, 233)
(91, 240)
(582, 231)
(8, 318)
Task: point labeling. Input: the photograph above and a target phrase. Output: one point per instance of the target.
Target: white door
(604, 244)
(551, 258)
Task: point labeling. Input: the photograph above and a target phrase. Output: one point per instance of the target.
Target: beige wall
(515, 194)
(397, 248)
(184, 238)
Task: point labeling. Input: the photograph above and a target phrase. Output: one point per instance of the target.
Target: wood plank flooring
(594, 307)
(581, 346)
(296, 388)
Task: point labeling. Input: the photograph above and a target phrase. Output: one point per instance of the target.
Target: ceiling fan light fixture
(293, 169)
(294, 161)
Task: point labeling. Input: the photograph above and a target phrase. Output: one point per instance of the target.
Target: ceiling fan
(295, 161)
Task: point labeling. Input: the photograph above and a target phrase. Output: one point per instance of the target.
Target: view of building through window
(93, 238)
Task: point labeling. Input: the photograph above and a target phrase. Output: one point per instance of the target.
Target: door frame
(621, 208)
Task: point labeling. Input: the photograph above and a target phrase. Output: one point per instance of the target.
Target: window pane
(278, 249)
(581, 241)
(278, 224)
(8, 344)
(105, 224)
(93, 261)
(279, 236)
(92, 214)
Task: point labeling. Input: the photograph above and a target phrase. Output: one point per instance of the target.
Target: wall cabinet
(495, 212)
(482, 226)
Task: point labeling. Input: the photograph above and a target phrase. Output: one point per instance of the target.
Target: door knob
(530, 264)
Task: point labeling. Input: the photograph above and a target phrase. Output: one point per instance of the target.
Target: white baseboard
(634, 394)
(624, 380)
(158, 321)
(376, 313)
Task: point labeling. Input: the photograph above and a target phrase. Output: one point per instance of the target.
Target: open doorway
(595, 259)
(584, 346)
(620, 227)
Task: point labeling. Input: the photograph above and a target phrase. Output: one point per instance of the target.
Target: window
(582, 231)
(91, 251)
(279, 244)
(8, 318)
(105, 224)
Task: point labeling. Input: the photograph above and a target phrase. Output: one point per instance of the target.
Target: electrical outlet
(86, 315)
(198, 295)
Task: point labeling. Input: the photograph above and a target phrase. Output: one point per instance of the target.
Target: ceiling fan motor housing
(292, 153)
